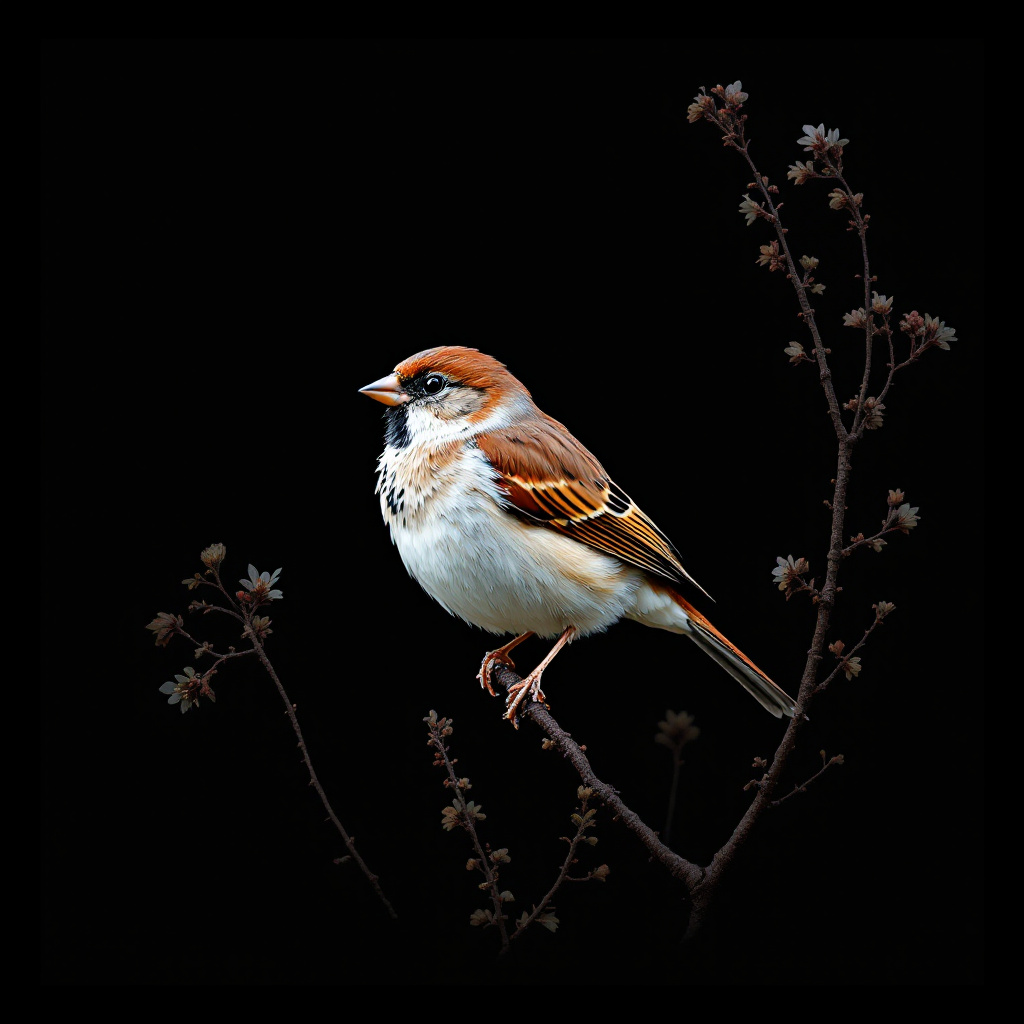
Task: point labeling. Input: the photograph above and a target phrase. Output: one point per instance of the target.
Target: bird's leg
(498, 657)
(531, 684)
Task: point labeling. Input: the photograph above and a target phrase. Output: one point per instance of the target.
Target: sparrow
(509, 523)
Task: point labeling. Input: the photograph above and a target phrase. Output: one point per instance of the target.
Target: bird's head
(447, 392)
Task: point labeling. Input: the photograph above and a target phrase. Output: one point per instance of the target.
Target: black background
(236, 236)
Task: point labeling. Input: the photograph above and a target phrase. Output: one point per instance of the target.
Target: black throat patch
(396, 427)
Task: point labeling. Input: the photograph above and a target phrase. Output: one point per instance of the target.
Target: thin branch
(677, 866)
(802, 788)
(806, 309)
(436, 729)
(677, 764)
(563, 876)
(250, 634)
(200, 645)
(847, 654)
(243, 607)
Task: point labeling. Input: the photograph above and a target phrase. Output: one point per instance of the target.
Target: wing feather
(547, 475)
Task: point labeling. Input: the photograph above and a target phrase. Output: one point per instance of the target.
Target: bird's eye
(434, 384)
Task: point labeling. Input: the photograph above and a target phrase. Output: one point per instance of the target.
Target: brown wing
(551, 478)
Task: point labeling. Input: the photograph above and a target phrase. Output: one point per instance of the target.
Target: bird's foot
(518, 693)
(498, 657)
(530, 686)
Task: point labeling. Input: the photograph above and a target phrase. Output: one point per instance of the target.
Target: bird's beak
(387, 390)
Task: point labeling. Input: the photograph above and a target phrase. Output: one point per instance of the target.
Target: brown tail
(771, 697)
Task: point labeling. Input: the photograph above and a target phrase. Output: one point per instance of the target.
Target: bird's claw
(491, 659)
(517, 694)
(498, 657)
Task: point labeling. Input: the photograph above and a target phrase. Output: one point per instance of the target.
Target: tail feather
(717, 646)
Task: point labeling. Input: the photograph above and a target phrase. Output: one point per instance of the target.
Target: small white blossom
(260, 584)
(943, 334)
(788, 571)
(906, 517)
(801, 171)
(819, 140)
(795, 351)
(734, 94)
(811, 136)
(184, 690)
(750, 209)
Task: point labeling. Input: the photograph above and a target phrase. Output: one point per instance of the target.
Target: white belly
(491, 569)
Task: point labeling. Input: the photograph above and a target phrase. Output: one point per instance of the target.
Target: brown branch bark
(701, 882)
(686, 871)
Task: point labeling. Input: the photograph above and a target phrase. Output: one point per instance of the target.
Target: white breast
(484, 564)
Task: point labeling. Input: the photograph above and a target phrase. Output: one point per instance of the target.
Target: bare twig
(583, 822)
(314, 781)
(802, 788)
(677, 866)
(242, 606)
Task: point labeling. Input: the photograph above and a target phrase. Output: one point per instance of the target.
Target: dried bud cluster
(165, 626)
(731, 96)
(212, 556)
(926, 332)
